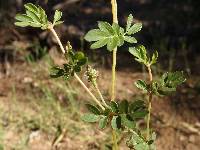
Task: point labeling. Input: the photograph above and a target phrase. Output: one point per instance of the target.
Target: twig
(76, 76)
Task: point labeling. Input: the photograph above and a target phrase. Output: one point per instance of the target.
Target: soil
(176, 119)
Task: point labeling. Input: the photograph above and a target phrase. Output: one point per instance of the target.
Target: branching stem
(76, 76)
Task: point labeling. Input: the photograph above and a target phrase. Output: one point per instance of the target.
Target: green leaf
(120, 40)
(106, 27)
(140, 84)
(130, 39)
(77, 68)
(154, 58)
(57, 16)
(121, 30)
(136, 105)
(137, 142)
(139, 114)
(90, 118)
(116, 122)
(22, 24)
(31, 7)
(107, 111)
(33, 16)
(103, 122)
(35, 24)
(112, 43)
(23, 18)
(112, 36)
(114, 106)
(140, 53)
(155, 87)
(82, 61)
(95, 35)
(99, 43)
(43, 16)
(134, 29)
(123, 106)
(169, 82)
(141, 146)
(129, 22)
(173, 79)
(166, 90)
(127, 122)
(58, 22)
(116, 28)
(93, 109)
(56, 72)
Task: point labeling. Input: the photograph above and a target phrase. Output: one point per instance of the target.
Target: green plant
(121, 116)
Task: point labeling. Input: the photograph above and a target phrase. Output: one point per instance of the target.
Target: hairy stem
(100, 95)
(86, 88)
(76, 76)
(115, 20)
(149, 102)
(57, 39)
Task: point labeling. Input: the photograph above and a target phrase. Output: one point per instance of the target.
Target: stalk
(149, 102)
(99, 93)
(115, 20)
(76, 76)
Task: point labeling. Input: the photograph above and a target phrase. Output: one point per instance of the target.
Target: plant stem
(149, 102)
(100, 95)
(115, 20)
(57, 38)
(76, 76)
(114, 138)
(114, 74)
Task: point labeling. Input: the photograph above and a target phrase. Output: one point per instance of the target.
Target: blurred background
(38, 113)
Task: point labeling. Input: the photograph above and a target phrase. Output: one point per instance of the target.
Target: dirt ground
(176, 119)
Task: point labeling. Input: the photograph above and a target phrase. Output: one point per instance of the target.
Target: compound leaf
(140, 54)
